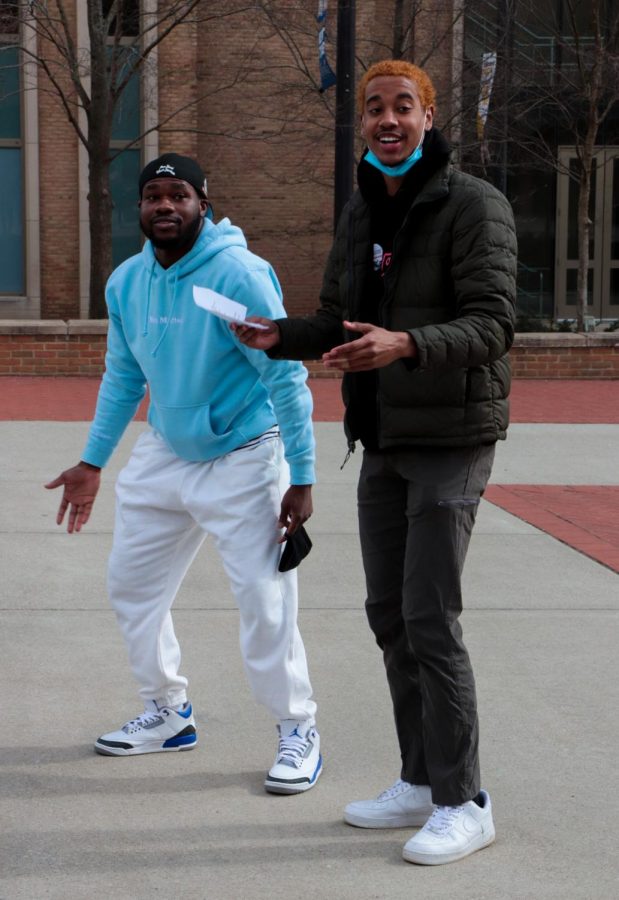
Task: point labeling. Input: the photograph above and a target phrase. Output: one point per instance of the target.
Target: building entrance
(603, 293)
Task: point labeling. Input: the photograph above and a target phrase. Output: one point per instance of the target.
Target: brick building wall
(241, 93)
(266, 141)
(78, 348)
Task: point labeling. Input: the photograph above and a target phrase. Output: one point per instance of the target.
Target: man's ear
(204, 205)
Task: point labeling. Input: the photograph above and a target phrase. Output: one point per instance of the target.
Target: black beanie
(172, 165)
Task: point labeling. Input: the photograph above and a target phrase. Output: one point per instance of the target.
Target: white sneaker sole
(155, 747)
(293, 787)
(430, 858)
(405, 820)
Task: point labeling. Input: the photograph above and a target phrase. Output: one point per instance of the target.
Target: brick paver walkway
(72, 399)
(585, 517)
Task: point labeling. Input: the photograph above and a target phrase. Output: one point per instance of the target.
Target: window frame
(26, 305)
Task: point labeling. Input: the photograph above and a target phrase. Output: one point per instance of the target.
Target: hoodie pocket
(189, 431)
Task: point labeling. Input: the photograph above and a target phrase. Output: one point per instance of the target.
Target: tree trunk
(584, 228)
(595, 92)
(398, 30)
(100, 213)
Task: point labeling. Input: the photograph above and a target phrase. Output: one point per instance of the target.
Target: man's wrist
(87, 465)
(408, 345)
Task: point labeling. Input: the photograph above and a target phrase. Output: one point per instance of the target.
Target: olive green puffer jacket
(451, 284)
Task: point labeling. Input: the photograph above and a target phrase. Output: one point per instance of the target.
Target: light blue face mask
(401, 168)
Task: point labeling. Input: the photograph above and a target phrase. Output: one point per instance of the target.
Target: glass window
(125, 168)
(9, 17)
(614, 219)
(128, 23)
(614, 287)
(571, 283)
(124, 174)
(10, 116)
(535, 224)
(11, 222)
(11, 208)
(126, 120)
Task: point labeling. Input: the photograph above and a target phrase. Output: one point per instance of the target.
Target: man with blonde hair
(417, 311)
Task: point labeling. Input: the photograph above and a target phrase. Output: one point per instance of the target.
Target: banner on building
(327, 75)
(488, 69)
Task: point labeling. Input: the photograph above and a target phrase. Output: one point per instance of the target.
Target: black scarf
(387, 216)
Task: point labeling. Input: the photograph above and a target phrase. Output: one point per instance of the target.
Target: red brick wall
(52, 348)
(78, 348)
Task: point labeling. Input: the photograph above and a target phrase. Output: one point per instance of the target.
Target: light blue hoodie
(209, 394)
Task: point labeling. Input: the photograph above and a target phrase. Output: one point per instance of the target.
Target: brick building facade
(238, 87)
(238, 91)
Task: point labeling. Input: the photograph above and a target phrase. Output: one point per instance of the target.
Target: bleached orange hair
(423, 82)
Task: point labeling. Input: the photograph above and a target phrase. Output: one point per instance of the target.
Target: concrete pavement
(541, 626)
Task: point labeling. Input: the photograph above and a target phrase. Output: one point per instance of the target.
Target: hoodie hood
(211, 240)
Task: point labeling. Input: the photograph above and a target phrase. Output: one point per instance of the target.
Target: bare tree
(90, 81)
(595, 80)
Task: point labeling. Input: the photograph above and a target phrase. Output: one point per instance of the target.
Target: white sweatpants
(165, 506)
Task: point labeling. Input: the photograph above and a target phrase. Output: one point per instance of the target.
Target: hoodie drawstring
(170, 314)
(146, 314)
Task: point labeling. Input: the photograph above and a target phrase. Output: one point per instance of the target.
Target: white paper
(223, 307)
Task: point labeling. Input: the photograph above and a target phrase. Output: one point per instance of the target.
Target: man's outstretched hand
(81, 484)
(258, 338)
(376, 348)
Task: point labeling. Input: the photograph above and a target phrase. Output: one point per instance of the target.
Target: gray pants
(417, 509)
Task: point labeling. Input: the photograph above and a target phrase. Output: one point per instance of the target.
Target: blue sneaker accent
(185, 713)
(317, 771)
(181, 740)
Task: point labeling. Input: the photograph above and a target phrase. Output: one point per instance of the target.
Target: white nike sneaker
(156, 730)
(452, 832)
(298, 762)
(401, 805)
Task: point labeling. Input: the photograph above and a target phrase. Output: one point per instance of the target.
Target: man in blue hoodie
(212, 462)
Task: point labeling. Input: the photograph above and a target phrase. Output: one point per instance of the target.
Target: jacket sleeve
(122, 388)
(483, 269)
(286, 381)
(309, 337)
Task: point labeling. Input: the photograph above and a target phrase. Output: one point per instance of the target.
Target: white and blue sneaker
(156, 730)
(298, 762)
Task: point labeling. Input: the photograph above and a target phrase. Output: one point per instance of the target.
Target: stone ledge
(87, 326)
(560, 339)
(551, 339)
(33, 326)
